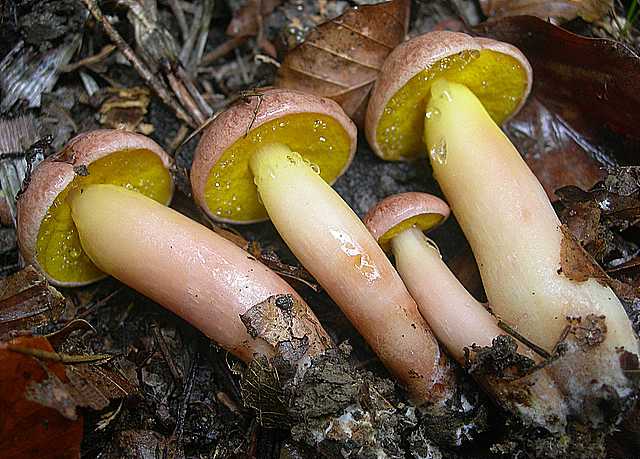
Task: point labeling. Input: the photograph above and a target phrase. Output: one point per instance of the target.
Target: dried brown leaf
(125, 108)
(342, 57)
(579, 266)
(589, 10)
(37, 420)
(591, 85)
(27, 301)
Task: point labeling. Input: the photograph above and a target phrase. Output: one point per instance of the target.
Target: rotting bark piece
(28, 301)
(286, 324)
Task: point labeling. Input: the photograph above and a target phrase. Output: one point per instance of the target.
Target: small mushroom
(99, 208)
(318, 226)
(497, 73)
(457, 319)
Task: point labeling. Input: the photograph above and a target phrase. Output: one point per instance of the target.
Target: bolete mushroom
(497, 73)
(521, 250)
(315, 127)
(449, 90)
(457, 319)
(99, 208)
(269, 138)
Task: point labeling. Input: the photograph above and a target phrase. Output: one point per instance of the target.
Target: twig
(164, 350)
(201, 43)
(222, 50)
(187, 46)
(101, 302)
(90, 60)
(185, 98)
(534, 347)
(197, 96)
(183, 130)
(176, 7)
(137, 64)
(186, 395)
(56, 356)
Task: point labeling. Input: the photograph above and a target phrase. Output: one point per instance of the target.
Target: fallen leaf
(27, 427)
(589, 10)
(27, 301)
(125, 108)
(579, 266)
(591, 84)
(342, 57)
(552, 149)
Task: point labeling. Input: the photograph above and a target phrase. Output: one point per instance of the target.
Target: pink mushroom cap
(399, 212)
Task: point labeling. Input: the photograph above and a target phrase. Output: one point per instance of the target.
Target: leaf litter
(157, 354)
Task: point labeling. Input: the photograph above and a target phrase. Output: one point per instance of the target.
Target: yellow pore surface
(58, 248)
(423, 222)
(231, 193)
(497, 79)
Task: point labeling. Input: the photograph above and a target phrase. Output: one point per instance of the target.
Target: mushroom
(462, 87)
(269, 138)
(457, 319)
(99, 208)
(520, 247)
(398, 224)
(317, 128)
(497, 73)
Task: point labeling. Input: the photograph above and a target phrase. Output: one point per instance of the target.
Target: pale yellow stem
(334, 245)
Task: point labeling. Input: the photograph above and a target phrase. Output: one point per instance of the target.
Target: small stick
(185, 98)
(56, 356)
(534, 347)
(188, 388)
(201, 42)
(102, 54)
(164, 350)
(137, 64)
(222, 50)
(176, 7)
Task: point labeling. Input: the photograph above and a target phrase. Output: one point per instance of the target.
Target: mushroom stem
(187, 268)
(456, 318)
(334, 245)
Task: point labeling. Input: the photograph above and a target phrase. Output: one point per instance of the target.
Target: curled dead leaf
(27, 301)
(591, 84)
(342, 57)
(589, 10)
